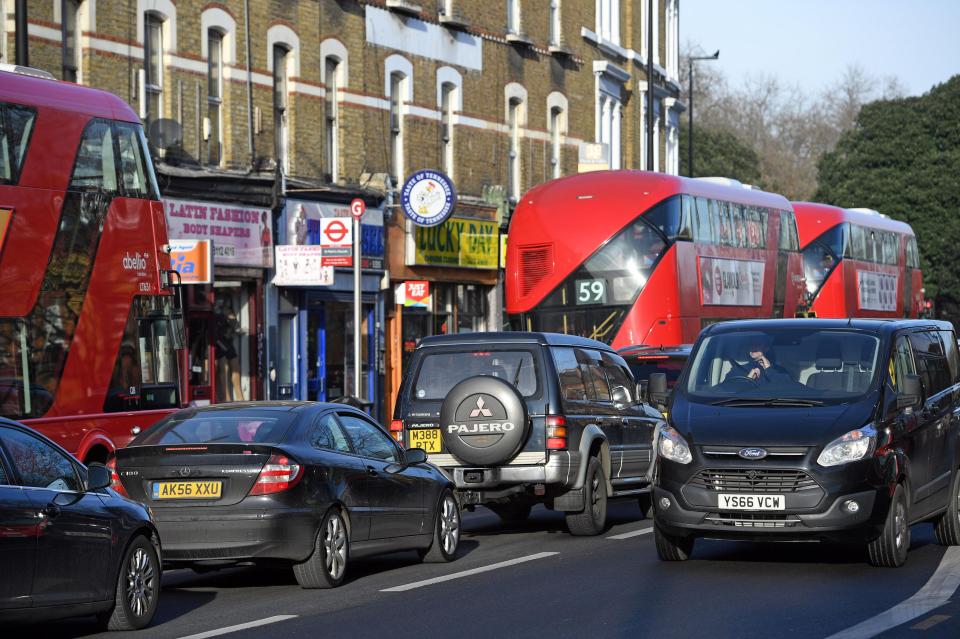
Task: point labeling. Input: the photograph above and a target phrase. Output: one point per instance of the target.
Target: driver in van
(760, 367)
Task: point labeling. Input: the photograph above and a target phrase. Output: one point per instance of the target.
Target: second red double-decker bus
(88, 323)
(858, 263)
(632, 257)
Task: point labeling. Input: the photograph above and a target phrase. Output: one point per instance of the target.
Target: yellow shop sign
(458, 242)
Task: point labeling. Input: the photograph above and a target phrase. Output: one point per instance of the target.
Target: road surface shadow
(484, 522)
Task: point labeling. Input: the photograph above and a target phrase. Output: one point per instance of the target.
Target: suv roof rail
(21, 70)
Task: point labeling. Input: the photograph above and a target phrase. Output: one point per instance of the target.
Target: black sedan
(310, 484)
(68, 544)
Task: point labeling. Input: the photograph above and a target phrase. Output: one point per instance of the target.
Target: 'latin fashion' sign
(241, 235)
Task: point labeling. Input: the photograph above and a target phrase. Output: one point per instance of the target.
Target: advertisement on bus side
(725, 282)
(876, 291)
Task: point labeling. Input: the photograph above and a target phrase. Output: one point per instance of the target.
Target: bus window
(890, 247)
(857, 246)
(666, 217)
(16, 123)
(788, 232)
(739, 226)
(685, 232)
(726, 224)
(702, 228)
(913, 255)
(132, 164)
(95, 168)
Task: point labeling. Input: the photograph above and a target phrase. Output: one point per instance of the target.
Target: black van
(809, 429)
(518, 418)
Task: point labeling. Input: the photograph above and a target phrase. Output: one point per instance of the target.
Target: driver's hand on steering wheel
(754, 374)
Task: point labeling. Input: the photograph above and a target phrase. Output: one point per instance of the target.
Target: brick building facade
(348, 98)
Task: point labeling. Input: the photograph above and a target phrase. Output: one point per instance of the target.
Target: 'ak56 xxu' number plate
(426, 438)
(186, 489)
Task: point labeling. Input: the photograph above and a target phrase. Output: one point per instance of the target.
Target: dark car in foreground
(70, 546)
(788, 430)
(308, 484)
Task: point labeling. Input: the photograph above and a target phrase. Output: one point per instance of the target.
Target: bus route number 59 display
(592, 291)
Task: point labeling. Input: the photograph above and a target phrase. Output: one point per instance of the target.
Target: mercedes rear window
(440, 372)
(221, 427)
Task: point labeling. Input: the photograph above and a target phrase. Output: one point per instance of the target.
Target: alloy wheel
(595, 496)
(335, 546)
(900, 525)
(449, 525)
(141, 586)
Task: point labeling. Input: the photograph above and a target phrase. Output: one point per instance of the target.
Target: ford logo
(752, 453)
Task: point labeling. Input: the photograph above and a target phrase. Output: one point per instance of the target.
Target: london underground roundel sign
(428, 197)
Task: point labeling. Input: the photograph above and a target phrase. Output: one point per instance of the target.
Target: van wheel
(889, 550)
(138, 588)
(947, 527)
(512, 512)
(327, 565)
(593, 519)
(670, 547)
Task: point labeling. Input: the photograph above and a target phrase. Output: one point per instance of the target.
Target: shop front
(445, 281)
(224, 313)
(315, 323)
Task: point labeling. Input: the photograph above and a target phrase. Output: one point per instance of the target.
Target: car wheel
(593, 519)
(947, 527)
(645, 500)
(671, 547)
(138, 588)
(328, 564)
(511, 512)
(446, 532)
(889, 550)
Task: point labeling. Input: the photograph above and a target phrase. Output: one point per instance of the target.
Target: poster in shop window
(240, 235)
(725, 282)
(876, 291)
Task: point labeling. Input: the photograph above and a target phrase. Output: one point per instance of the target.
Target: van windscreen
(781, 363)
(440, 372)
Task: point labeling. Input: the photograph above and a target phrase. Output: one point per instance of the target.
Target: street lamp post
(691, 59)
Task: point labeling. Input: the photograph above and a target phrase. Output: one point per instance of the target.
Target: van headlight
(855, 445)
(673, 447)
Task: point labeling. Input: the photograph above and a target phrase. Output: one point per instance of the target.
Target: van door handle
(371, 471)
(51, 510)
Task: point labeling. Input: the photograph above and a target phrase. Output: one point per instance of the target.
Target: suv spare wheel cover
(483, 420)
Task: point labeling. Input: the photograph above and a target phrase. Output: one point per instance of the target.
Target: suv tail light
(280, 473)
(556, 432)
(396, 430)
(115, 477)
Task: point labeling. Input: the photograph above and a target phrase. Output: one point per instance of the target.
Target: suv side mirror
(657, 388)
(621, 397)
(911, 391)
(413, 456)
(641, 391)
(98, 476)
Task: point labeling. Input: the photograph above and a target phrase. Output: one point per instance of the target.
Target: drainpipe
(246, 26)
(22, 54)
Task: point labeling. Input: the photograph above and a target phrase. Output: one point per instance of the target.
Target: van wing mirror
(621, 397)
(657, 389)
(911, 391)
(642, 391)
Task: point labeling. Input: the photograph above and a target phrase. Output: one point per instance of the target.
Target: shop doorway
(327, 360)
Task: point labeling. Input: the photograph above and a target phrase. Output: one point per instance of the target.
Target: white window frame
(449, 85)
(514, 17)
(285, 37)
(398, 87)
(218, 99)
(673, 39)
(608, 20)
(281, 124)
(333, 53)
(515, 117)
(557, 123)
(153, 86)
(217, 18)
(556, 23)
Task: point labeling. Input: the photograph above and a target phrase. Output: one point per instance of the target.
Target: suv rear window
(440, 372)
(643, 366)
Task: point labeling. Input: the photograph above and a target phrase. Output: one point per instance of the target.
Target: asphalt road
(534, 579)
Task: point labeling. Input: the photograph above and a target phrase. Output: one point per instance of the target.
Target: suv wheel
(594, 516)
(947, 527)
(889, 550)
(512, 512)
(671, 547)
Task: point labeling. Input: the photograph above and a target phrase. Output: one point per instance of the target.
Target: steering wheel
(740, 379)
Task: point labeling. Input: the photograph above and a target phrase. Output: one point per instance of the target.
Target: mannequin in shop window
(228, 361)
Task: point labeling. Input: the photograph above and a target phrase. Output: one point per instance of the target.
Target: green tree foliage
(903, 159)
(718, 152)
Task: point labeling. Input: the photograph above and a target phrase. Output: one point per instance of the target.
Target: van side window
(594, 376)
(931, 363)
(95, 167)
(949, 340)
(16, 123)
(902, 363)
(572, 386)
(616, 374)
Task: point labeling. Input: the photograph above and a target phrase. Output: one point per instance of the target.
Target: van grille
(732, 452)
(536, 263)
(753, 480)
(752, 520)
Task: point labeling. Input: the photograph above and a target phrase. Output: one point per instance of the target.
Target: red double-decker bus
(858, 263)
(632, 257)
(89, 323)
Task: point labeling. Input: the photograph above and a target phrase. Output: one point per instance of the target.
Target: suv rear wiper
(766, 401)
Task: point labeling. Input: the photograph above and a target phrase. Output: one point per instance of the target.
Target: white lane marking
(240, 626)
(467, 573)
(936, 592)
(632, 533)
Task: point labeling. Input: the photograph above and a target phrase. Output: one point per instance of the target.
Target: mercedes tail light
(396, 430)
(556, 432)
(115, 477)
(280, 473)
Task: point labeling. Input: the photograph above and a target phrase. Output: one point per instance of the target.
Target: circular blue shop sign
(428, 197)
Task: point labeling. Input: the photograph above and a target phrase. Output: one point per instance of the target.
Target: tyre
(645, 500)
(446, 532)
(327, 565)
(593, 519)
(889, 550)
(947, 527)
(670, 547)
(138, 588)
(512, 512)
(477, 407)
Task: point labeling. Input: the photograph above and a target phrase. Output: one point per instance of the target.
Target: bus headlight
(852, 446)
(672, 446)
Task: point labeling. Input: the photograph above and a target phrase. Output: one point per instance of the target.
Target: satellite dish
(166, 133)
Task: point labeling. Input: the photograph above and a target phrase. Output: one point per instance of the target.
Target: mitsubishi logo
(480, 410)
